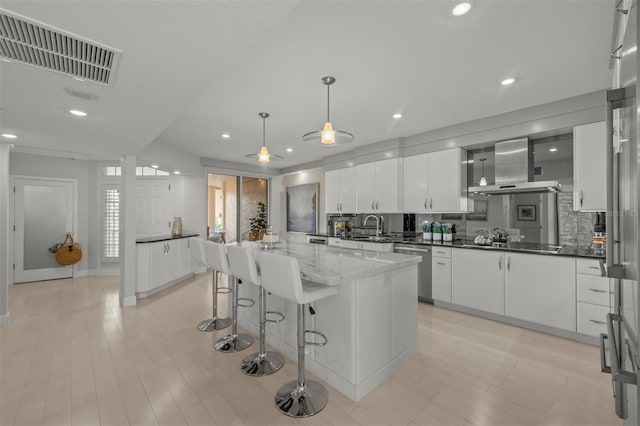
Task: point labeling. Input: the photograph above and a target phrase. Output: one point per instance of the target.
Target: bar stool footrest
(279, 314)
(246, 302)
(314, 343)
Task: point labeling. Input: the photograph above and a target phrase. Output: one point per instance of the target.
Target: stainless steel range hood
(514, 171)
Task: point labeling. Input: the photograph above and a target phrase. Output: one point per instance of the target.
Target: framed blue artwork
(302, 208)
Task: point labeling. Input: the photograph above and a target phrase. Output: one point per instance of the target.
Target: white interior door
(153, 207)
(43, 214)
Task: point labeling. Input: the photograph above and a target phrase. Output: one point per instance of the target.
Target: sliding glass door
(237, 207)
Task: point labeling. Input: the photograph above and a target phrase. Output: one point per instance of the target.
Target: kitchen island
(371, 323)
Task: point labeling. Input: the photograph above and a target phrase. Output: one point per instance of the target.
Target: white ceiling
(191, 71)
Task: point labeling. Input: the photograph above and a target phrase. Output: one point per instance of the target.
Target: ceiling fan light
(328, 134)
(263, 155)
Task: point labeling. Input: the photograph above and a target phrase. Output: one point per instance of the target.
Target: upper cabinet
(340, 192)
(436, 182)
(377, 186)
(589, 174)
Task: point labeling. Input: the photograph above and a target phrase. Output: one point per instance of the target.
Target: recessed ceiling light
(461, 8)
(9, 136)
(176, 172)
(397, 115)
(78, 113)
(508, 81)
(226, 136)
(553, 149)
(154, 166)
(289, 149)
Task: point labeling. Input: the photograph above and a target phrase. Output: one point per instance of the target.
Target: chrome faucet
(366, 219)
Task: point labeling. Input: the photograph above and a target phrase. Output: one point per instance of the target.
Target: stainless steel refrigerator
(619, 347)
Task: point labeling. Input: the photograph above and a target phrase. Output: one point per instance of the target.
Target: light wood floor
(71, 355)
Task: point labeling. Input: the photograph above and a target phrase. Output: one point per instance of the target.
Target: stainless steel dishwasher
(424, 268)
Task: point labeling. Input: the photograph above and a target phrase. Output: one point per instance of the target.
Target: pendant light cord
(264, 119)
(328, 86)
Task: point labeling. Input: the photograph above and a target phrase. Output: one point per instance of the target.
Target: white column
(4, 233)
(128, 231)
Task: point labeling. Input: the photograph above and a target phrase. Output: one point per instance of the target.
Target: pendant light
(263, 156)
(483, 180)
(328, 136)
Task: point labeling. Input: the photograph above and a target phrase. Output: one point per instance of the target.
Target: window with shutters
(110, 222)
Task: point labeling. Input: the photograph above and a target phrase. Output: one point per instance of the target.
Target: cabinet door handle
(500, 263)
(188, 244)
(337, 206)
(425, 203)
(431, 204)
(595, 290)
(376, 205)
(581, 197)
(440, 263)
(372, 204)
(508, 263)
(597, 322)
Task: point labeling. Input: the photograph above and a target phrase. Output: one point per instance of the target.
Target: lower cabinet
(477, 279)
(360, 245)
(594, 298)
(161, 263)
(441, 274)
(537, 288)
(541, 289)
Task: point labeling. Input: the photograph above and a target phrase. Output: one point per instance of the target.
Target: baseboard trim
(582, 338)
(97, 273)
(129, 301)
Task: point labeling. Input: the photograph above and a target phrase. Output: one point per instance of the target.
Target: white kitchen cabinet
(477, 279)
(162, 263)
(441, 279)
(436, 182)
(378, 186)
(595, 298)
(541, 289)
(589, 174)
(340, 190)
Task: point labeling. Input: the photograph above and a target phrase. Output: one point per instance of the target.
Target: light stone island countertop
(334, 265)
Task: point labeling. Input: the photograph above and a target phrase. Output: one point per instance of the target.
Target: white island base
(371, 325)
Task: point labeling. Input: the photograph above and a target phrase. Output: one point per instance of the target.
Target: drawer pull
(597, 322)
(440, 263)
(595, 290)
(440, 252)
(594, 267)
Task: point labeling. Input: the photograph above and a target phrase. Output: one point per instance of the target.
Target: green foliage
(259, 221)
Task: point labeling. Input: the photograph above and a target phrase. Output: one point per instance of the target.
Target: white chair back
(280, 275)
(242, 263)
(216, 257)
(197, 250)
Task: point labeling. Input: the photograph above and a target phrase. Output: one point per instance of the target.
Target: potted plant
(258, 222)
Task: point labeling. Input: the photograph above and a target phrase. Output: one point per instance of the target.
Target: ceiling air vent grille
(31, 42)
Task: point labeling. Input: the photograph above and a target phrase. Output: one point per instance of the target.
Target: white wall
(299, 178)
(44, 166)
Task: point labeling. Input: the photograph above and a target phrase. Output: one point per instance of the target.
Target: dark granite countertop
(159, 238)
(534, 248)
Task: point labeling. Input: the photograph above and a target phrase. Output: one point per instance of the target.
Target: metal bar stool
(281, 276)
(233, 342)
(213, 323)
(242, 263)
